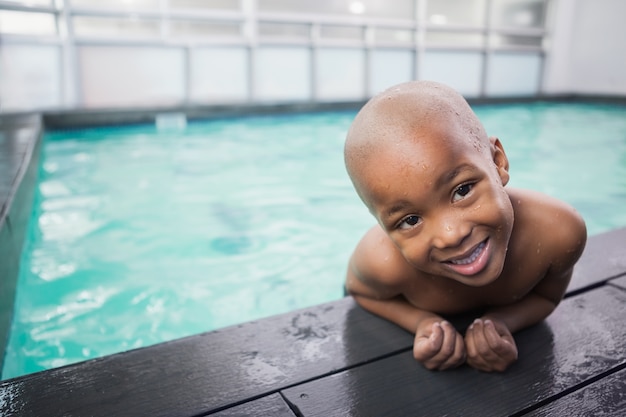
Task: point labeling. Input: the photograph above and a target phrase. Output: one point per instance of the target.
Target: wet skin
(448, 214)
(452, 239)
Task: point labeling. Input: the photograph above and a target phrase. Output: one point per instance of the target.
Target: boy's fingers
(498, 343)
(459, 355)
(494, 340)
(436, 337)
(474, 357)
(448, 343)
(442, 349)
(425, 348)
(481, 345)
(488, 350)
(438, 341)
(491, 335)
(469, 341)
(452, 351)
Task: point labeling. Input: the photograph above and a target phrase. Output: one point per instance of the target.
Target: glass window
(460, 70)
(219, 75)
(340, 74)
(205, 4)
(512, 74)
(200, 29)
(284, 30)
(282, 73)
(27, 23)
(398, 9)
(519, 13)
(454, 39)
(403, 36)
(341, 32)
(31, 76)
(141, 76)
(456, 12)
(388, 67)
(116, 27)
(32, 2)
(118, 4)
(510, 40)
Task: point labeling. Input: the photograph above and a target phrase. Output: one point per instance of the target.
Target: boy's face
(441, 199)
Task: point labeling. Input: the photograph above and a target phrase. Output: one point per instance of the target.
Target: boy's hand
(439, 346)
(490, 346)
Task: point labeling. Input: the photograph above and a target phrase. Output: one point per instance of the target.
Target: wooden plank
(606, 397)
(272, 405)
(603, 258)
(203, 373)
(208, 372)
(584, 337)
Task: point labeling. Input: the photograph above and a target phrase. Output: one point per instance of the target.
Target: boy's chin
(478, 280)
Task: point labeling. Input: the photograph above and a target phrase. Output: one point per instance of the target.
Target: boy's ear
(499, 159)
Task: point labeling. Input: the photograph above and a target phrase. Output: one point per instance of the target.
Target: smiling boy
(450, 237)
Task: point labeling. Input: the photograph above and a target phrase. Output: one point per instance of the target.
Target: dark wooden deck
(336, 359)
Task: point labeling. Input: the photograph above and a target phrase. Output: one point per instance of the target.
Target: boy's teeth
(470, 258)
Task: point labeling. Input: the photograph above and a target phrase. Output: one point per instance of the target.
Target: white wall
(219, 75)
(128, 76)
(588, 51)
(30, 74)
(282, 74)
(513, 74)
(340, 74)
(443, 66)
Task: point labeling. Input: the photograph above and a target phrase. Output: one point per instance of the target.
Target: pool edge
(23, 132)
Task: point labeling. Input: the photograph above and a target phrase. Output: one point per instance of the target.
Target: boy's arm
(536, 305)
(373, 281)
(375, 277)
(562, 247)
(437, 344)
(388, 304)
(489, 341)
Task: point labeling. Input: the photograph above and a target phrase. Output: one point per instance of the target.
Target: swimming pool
(142, 236)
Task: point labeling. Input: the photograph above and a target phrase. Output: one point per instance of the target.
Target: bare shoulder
(554, 226)
(377, 268)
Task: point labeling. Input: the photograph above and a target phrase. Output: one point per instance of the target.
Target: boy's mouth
(474, 262)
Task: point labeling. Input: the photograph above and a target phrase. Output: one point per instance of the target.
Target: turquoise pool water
(142, 236)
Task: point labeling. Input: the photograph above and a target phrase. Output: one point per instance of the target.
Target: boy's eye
(409, 222)
(461, 192)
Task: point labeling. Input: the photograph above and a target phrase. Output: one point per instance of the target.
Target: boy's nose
(449, 233)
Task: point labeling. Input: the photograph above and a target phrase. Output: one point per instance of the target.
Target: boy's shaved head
(402, 112)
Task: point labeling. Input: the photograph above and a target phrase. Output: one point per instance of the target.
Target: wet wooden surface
(338, 360)
(583, 339)
(606, 397)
